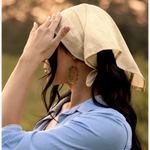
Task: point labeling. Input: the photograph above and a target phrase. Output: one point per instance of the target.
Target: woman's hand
(40, 46)
(41, 43)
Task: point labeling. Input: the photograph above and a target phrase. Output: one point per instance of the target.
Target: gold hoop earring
(77, 75)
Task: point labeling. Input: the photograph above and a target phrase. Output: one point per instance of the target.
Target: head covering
(92, 31)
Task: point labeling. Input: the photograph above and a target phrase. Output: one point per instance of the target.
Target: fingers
(34, 28)
(62, 32)
(55, 21)
(52, 23)
(48, 22)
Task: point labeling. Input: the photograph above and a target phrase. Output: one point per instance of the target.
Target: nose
(44, 65)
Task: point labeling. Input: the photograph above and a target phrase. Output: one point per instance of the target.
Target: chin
(57, 82)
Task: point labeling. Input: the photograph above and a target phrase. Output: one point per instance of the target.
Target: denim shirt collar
(88, 105)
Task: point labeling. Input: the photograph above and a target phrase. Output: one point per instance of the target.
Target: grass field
(34, 108)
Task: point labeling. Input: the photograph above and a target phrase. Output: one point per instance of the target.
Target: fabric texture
(85, 127)
(92, 31)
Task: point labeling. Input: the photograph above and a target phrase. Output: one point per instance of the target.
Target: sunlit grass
(140, 103)
(34, 108)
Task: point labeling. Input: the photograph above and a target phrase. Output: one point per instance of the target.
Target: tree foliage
(18, 17)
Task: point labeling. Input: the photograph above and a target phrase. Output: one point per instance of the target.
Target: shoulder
(109, 125)
(103, 116)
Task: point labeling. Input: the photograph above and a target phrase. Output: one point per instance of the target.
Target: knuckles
(62, 33)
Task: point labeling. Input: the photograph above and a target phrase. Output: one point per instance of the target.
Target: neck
(80, 93)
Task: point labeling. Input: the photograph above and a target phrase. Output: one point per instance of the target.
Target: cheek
(61, 75)
(62, 70)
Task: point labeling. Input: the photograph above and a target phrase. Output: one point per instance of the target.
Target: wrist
(32, 60)
(28, 64)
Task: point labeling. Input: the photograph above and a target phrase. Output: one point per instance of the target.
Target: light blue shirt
(85, 127)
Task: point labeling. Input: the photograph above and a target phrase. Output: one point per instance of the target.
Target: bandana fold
(92, 31)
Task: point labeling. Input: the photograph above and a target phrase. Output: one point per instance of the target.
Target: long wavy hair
(112, 83)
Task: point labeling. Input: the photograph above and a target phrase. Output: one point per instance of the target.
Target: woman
(89, 54)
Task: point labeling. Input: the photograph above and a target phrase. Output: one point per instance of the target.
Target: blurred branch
(18, 17)
(76, 2)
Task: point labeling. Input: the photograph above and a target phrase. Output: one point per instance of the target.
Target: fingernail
(48, 18)
(53, 16)
(58, 13)
(34, 23)
(67, 28)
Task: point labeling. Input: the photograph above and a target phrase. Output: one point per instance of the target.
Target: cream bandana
(93, 30)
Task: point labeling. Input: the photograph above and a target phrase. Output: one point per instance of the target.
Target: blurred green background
(17, 20)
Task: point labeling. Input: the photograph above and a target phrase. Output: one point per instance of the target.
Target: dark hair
(115, 88)
(113, 85)
(54, 93)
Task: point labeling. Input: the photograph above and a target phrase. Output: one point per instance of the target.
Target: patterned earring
(77, 75)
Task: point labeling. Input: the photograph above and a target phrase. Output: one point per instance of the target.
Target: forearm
(40, 46)
(15, 91)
